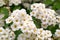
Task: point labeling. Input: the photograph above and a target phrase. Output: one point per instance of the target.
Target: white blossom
(6, 34)
(37, 34)
(57, 33)
(21, 20)
(15, 2)
(46, 15)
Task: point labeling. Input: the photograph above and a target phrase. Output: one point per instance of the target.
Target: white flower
(15, 2)
(33, 13)
(8, 20)
(14, 27)
(58, 19)
(43, 34)
(6, 34)
(37, 6)
(49, 34)
(34, 6)
(46, 15)
(1, 30)
(57, 33)
(26, 36)
(36, 34)
(44, 26)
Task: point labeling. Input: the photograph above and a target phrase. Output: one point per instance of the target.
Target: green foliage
(7, 25)
(54, 3)
(47, 2)
(37, 22)
(17, 33)
(53, 28)
(5, 12)
(13, 7)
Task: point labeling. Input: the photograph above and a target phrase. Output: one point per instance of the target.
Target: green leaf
(57, 5)
(37, 22)
(7, 25)
(13, 7)
(47, 2)
(53, 28)
(5, 12)
(17, 33)
(28, 11)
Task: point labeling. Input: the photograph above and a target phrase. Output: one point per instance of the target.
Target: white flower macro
(57, 33)
(26, 36)
(14, 27)
(48, 33)
(43, 34)
(46, 15)
(37, 6)
(6, 34)
(1, 30)
(21, 20)
(8, 20)
(36, 34)
(2, 3)
(15, 2)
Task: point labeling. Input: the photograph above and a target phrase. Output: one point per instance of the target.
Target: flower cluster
(15, 2)
(46, 15)
(21, 20)
(6, 34)
(10, 2)
(36, 34)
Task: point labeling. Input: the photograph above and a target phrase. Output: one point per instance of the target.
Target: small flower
(8, 20)
(57, 33)
(15, 2)
(6, 34)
